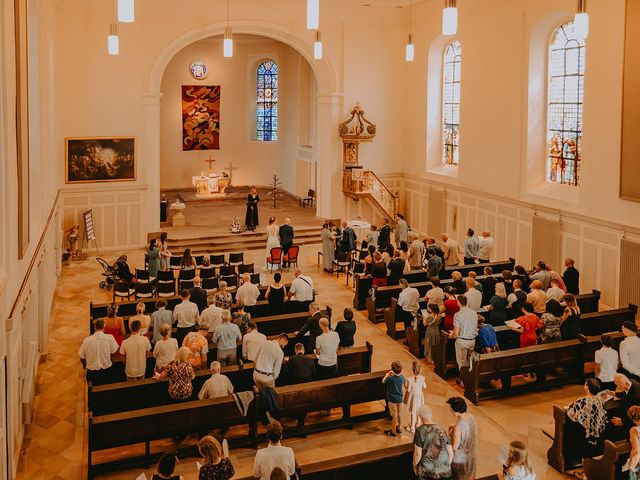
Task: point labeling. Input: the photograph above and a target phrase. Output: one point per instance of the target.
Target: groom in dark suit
(286, 238)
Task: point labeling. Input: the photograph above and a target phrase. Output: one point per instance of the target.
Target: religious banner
(200, 117)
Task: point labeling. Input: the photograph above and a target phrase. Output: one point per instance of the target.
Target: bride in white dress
(273, 239)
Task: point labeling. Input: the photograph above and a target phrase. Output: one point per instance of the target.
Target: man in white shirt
(465, 331)
(301, 290)
(630, 351)
(217, 386)
(226, 336)
(537, 298)
(248, 294)
(408, 301)
(211, 316)
(187, 315)
(252, 343)
(416, 251)
(269, 362)
(485, 246)
(606, 363)
(451, 250)
(555, 292)
(135, 350)
(95, 354)
(326, 349)
(474, 296)
(274, 455)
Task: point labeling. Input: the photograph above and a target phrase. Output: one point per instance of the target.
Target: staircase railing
(372, 189)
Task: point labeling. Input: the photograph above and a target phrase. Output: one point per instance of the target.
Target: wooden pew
(126, 396)
(609, 466)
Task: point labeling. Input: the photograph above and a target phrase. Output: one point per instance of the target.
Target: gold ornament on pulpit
(352, 132)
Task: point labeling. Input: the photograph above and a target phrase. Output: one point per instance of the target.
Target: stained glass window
(267, 102)
(566, 88)
(451, 104)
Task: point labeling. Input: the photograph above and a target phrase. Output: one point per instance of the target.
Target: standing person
(408, 302)
(180, 374)
(222, 298)
(215, 466)
(630, 351)
(516, 299)
(541, 273)
(166, 467)
(248, 294)
(274, 455)
(464, 440)
(570, 328)
(451, 250)
(432, 451)
(269, 362)
(135, 350)
(402, 230)
(286, 234)
(489, 285)
(212, 315)
(198, 346)
(518, 466)
(241, 318)
(634, 437)
(276, 293)
(474, 297)
(384, 239)
(431, 321)
(226, 336)
(273, 241)
(451, 307)
(432, 246)
(348, 240)
(465, 331)
(198, 295)
(328, 247)
(372, 236)
(312, 326)
(527, 324)
(160, 317)
(96, 352)
(251, 217)
(537, 298)
(395, 382)
(435, 294)
(414, 398)
(145, 320)
(165, 254)
(300, 368)
(434, 264)
(187, 315)
(551, 320)
(607, 361)
(346, 330)
(498, 305)
(301, 291)
(114, 325)
(470, 248)
(165, 349)
(416, 252)
(218, 385)
(252, 343)
(396, 268)
(153, 255)
(326, 348)
(379, 270)
(571, 277)
(485, 247)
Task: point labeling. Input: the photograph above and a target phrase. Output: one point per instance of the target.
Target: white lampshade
(409, 51)
(317, 47)
(228, 47)
(581, 25)
(313, 14)
(113, 44)
(450, 21)
(126, 11)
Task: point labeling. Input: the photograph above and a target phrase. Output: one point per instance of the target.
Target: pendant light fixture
(581, 21)
(113, 42)
(450, 18)
(228, 38)
(409, 50)
(126, 11)
(317, 47)
(313, 14)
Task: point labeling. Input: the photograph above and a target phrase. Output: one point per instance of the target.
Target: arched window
(451, 104)
(267, 102)
(566, 88)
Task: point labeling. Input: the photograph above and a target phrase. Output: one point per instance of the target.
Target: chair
(210, 284)
(232, 280)
(142, 276)
(186, 284)
(308, 200)
(248, 268)
(209, 272)
(358, 269)
(143, 290)
(217, 260)
(227, 270)
(198, 259)
(236, 258)
(166, 289)
(275, 259)
(187, 274)
(165, 276)
(175, 261)
(291, 258)
(121, 290)
(255, 278)
(342, 263)
(363, 247)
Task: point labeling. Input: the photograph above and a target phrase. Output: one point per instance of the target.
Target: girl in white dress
(273, 239)
(518, 466)
(414, 397)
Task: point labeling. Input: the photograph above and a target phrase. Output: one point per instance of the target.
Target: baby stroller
(110, 273)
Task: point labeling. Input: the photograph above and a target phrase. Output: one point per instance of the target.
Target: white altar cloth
(206, 184)
(360, 227)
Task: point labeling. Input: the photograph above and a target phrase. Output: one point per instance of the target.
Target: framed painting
(100, 159)
(200, 117)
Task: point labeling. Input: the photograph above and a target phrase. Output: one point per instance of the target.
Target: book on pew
(512, 324)
(142, 476)
(199, 465)
(225, 448)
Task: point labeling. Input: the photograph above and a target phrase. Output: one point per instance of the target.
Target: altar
(210, 184)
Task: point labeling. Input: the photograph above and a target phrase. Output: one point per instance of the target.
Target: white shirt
(435, 295)
(135, 348)
(630, 354)
(186, 313)
(328, 344)
(274, 456)
(608, 360)
(555, 293)
(474, 299)
(215, 387)
(301, 290)
(165, 351)
(97, 349)
(248, 294)
(467, 322)
(485, 245)
(409, 299)
(270, 358)
(211, 316)
(251, 345)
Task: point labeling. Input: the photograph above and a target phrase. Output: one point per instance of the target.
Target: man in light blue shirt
(226, 336)
(465, 331)
(471, 246)
(159, 317)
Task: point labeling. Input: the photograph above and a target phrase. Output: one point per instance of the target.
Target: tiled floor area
(54, 446)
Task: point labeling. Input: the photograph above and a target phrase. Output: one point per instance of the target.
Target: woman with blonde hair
(222, 298)
(634, 437)
(498, 305)
(518, 466)
(165, 350)
(145, 320)
(114, 325)
(273, 236)
(215, 466)
(180, 374)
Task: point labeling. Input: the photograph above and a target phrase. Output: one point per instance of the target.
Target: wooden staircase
(373, 190)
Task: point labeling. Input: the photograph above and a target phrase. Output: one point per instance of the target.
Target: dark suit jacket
(571, 278)
(300, 368)
(199, 297)
(286, 236)
(312, 326)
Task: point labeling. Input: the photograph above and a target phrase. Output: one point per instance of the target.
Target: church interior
(139, 136)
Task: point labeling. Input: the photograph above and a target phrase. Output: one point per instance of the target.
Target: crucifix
(210, 161)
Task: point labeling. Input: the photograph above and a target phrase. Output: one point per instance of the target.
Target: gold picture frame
(100, 159)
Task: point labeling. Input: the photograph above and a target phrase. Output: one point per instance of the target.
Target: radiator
(29, 384)
(629, 280)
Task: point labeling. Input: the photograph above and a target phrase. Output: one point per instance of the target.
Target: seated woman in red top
(527, 324)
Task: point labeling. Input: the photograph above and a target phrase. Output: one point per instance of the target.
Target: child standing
(395, 382)
(415, 397)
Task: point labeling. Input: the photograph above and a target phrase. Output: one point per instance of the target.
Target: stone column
(329, 156)
(149, 160)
